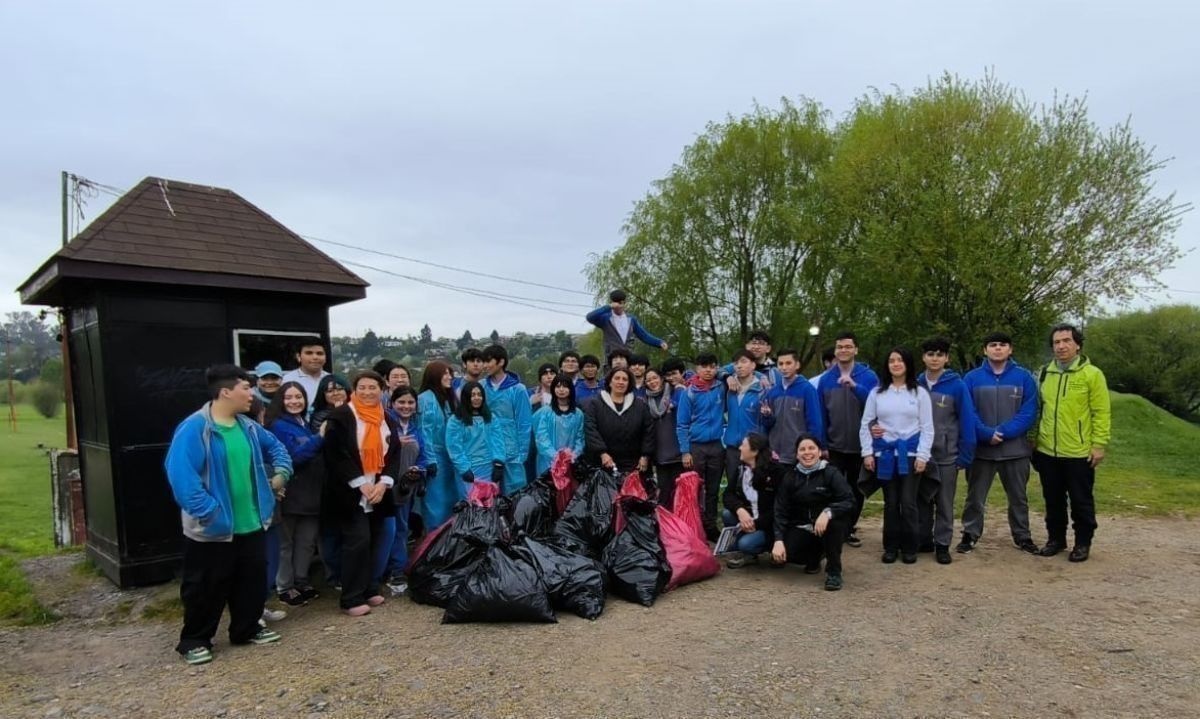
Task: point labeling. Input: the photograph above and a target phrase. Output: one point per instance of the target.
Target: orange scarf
(370, 449)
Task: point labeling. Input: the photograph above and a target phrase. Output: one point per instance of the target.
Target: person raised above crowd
(1005, 398)
(618, 327)
(843, 390)
(1072, 437)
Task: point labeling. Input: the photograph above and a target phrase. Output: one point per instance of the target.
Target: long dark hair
(319, 402)
(910, 370)
(276, 409)
(431, 380)
(562, 381)
(465, 411)
(762, 449)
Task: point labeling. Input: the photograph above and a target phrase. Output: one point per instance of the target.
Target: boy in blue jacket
(791, 408)
(699, 427)
(215, 467)
(743, 411)
(508, 401)
(843, 390)
(953, 446)
(1005, 396)
(618, 328)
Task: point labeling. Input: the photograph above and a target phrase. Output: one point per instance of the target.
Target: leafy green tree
(426, 339)
(962, 208)
(494, 337)
(369, 348)
(733, 238)
(465, 341)
(1154, 353)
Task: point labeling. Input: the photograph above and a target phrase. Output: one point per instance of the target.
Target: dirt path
(998, 633)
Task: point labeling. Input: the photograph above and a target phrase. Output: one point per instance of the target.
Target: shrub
(47, 399)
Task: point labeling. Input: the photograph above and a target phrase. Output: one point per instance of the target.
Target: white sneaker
(398, 588)
(273, 615)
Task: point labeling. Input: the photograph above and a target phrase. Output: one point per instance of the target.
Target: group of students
(346, 463)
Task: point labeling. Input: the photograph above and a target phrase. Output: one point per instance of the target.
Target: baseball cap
(267, 367)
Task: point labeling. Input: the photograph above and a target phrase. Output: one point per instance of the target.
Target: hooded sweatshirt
(701, 416)
(795, 410)
(842, 407)
(511, 413)
(744, 412)
(1005, 403)
(953, 419)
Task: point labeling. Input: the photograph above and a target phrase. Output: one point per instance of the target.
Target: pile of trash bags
(560, 544)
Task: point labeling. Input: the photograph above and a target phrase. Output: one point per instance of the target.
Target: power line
(448, 267)
(465, 290)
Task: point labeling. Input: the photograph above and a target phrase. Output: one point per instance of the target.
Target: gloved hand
(468, 476)
(497, 472)
(431, 470)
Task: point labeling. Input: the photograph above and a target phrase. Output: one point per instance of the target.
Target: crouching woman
(811, 508)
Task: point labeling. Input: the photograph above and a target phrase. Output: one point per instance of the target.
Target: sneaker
(853, 540)
(309, 594)
(742, 560)
(273, 615)
(1053, 547)
(1079, 553)
(890, 556)
(967, 544)
(397, 586)
(198, 655)
(375, 600)
(265, 636)
(359, 611)
(908, 557)
(1027, 546)
(833, 582)
(942, 552)
(293, 597)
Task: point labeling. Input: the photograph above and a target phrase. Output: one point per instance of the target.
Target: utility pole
(64, 332)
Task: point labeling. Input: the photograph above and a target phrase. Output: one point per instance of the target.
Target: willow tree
(731, 239)
(963, 208)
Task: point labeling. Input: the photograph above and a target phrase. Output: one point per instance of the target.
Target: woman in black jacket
(811, 508)
(750, 500)
(617, 429)
(362, 459)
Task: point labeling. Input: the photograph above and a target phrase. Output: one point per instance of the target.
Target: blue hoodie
(1006, 403)
(744, 413)
(795, 410)
(511, 422)
(584, 392)
(701, 415)
(842, 407)
(195, 466)
(953, 419)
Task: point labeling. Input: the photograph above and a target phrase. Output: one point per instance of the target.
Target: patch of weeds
(18, 605)
(164, 607)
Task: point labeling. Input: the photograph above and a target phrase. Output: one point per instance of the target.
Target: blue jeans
(753, 543)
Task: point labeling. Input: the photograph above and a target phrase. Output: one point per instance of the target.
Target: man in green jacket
(1072, 433)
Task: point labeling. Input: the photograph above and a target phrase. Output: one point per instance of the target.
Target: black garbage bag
(575, 583)
(636, 561)
(504, 586)
(436, 575)
(533, 508)
(586, 524)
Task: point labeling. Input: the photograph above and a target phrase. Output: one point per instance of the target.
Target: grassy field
(25, 518)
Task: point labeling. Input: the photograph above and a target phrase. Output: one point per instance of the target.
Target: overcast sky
(511, 137)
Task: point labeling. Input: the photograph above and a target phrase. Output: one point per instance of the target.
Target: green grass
(26, 524)
(1150, 468)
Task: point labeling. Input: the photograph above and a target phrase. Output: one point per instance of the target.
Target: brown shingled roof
(193, 234)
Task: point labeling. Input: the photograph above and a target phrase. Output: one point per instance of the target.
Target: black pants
(900, 513)
(361, 537)
(850, 465)
(708, 460)
(665, 475)
(216, 574)
(1063, 479)
(804, 547)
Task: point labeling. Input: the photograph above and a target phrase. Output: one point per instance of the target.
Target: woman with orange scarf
(362, 459)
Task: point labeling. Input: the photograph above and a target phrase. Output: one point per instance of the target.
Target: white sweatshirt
(901, 413)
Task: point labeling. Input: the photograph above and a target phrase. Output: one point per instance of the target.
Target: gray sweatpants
(1014, 475)
(297, 543)
(936, 503)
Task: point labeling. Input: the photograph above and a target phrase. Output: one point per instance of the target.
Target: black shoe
(853, 540)
(812, 568)
(1053, 547)
(1079, 553)
(942, 552)
(309, 594)
(890, 556)
(967, 544)
(1027, 545)
(293, 598)
(908, 557)
(833, 582)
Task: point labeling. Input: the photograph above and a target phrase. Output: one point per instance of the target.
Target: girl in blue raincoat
(436, 404)
(559, 426)
(476, 449)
